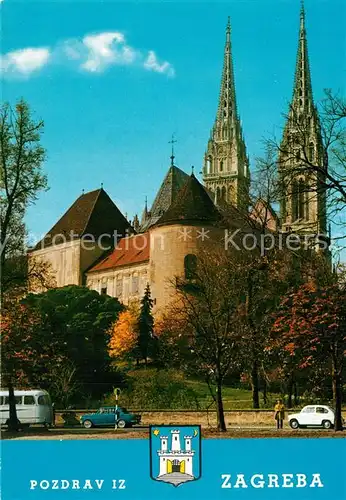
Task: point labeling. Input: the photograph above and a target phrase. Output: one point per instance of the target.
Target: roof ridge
(92, 210)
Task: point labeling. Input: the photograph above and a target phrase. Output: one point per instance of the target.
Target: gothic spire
(226, 172)
(302, 92)
(227, 110)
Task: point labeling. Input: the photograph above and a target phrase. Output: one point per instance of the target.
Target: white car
(314, 416)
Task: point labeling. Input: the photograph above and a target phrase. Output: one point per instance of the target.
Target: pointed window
(190, 266)
(311, 152)
(221, 165)
(223, 193)
(209, 164)
(301, 199)
(295, 200)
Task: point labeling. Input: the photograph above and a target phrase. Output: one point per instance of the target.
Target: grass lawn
(233, 398)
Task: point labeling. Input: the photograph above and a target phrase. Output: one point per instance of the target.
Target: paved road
(66, 433)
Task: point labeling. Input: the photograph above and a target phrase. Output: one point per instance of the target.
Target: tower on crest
(226, 166)
(303, 197)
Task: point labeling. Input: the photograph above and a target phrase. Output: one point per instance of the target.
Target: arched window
(221, 165)
(223, 193)
(311, 152)
(190, 266)
(217, 195)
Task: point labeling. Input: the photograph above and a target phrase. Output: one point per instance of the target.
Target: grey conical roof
(170, 187)
(192, 204)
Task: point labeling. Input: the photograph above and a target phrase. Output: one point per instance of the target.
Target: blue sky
(110, 110)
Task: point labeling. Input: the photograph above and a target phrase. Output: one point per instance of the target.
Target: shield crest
(175, 453)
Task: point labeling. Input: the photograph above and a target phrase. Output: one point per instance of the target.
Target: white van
(33, 406)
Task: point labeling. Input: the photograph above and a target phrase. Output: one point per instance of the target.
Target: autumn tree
(310, 328)
(203, 334)
(124, 336)
(21, 179)
(18, 327)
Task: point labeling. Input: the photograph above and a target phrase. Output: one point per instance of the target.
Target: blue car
(108, 416)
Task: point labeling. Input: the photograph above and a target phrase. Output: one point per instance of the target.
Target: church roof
(192, 204)
(171, 185)
(130, 250)
(92, 213)
(263, 213)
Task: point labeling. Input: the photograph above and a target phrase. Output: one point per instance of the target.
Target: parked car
(313, 416)
(109, 416)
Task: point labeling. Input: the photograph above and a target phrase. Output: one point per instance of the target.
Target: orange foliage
(123, 335)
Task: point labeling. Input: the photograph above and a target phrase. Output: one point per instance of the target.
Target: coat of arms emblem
(175, 453)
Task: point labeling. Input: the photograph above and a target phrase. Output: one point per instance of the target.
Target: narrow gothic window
(217, 195)
(119, 288)
(190, 266)
(221, 165)
(209, 165)
(135, 284)
(311, 151)
(301, 199)
(223, 193)
(295, 200)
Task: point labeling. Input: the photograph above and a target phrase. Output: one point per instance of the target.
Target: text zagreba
(271, 481)
(76, 484)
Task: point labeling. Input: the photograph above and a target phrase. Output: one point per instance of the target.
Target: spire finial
(302, 8)
(228, 30)
(146, 204)
(302, 19)
(192, 170)
(83, 191)
(172, 141)
(101, 185)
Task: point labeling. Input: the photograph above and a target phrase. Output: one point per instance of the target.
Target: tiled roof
(130, 250)
(171, 185)
(92, 213)
(192, 204)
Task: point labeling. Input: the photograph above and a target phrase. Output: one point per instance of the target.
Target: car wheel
(121, 424)
(327, 424)
(294, 424)
(87, 424)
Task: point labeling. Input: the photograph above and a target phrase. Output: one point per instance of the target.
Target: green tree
(69, 336)
(21, 179)
(145, 325)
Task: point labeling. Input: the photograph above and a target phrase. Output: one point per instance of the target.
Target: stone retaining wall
(205, 419)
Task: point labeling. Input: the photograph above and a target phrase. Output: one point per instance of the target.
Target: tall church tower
(226, 166)
(303, 200)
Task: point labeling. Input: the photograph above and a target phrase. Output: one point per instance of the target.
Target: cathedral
(94, 245)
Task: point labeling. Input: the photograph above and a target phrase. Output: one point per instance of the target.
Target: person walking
(53, 414)
(279, 414)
